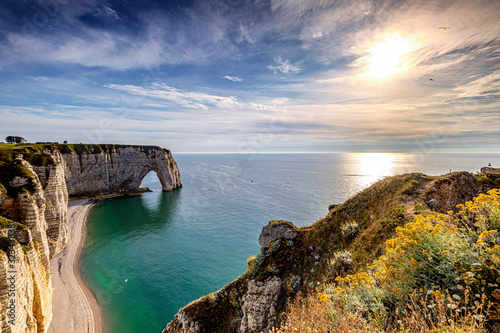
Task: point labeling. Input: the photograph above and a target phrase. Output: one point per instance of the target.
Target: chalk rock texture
(259, 304)
(276, 230)
(119, 170)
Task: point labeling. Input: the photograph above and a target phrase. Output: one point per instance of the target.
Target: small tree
(15, 139)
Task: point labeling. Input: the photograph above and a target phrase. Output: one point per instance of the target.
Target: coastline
(74, 307)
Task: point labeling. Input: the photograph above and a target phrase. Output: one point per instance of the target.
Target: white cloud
(232, 78)
(285, 66)
(187, 99)
(97, 49)
(245, 36)
(107, 11)
(483, 86)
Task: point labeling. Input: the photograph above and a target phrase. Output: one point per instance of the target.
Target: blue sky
(253, 76)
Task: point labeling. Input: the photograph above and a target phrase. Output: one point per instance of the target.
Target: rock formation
(118, 169)
(33, 214)
(259, 304)
(52, 179)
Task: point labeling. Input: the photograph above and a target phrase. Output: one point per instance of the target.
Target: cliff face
(52, 179)
(118, 170)
(297, 259)
(25, 267)
(33, 213)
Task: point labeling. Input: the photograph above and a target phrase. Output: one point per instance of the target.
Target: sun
(388, 57)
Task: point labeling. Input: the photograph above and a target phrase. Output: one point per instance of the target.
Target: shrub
(349, 230)
(341, 263)
(308, 314)
(254, 263)
(272, 269)
(294, 283)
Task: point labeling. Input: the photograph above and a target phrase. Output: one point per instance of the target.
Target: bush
(341, 263)
(308, 314)
(349, 230)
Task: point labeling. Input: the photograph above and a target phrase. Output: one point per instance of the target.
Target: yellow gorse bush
(453, 254)
(483, 211)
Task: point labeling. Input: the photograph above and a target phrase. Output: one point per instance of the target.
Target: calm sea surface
(146, 256)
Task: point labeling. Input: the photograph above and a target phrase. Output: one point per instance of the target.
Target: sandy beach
(74, 307)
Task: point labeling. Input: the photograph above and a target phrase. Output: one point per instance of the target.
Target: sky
(253, 76)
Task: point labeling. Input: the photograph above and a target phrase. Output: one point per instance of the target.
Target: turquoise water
(146, 256)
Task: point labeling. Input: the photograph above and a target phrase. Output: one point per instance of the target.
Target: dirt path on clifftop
(74, 307)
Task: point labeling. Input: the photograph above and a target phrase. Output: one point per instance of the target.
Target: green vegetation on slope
(440, 273)
(7, 223)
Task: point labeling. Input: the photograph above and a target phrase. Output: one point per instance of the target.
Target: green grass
(8, 150)
(7, 223)
(32, 153)
(378, 210)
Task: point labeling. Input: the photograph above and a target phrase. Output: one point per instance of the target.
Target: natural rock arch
(165, 178)
(119, 170)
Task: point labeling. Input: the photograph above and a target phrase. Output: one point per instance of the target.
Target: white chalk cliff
(34, 222)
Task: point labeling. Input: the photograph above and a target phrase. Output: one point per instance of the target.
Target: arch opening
(151, 182)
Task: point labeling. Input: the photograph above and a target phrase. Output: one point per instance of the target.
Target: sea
(146, 256)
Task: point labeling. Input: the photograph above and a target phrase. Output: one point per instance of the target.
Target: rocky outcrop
(118, 170)
(259, 304)
(488, 169)
(276, 230)
(17, 310)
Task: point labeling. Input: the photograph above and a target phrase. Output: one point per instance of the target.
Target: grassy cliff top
(34, 152)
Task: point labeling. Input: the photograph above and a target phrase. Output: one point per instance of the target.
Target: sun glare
(374, 166)
(388, 57)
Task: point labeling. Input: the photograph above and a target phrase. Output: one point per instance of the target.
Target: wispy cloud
(488, 85)
(232, 78)
(188, 99)
(245, 36)
(285, 66)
